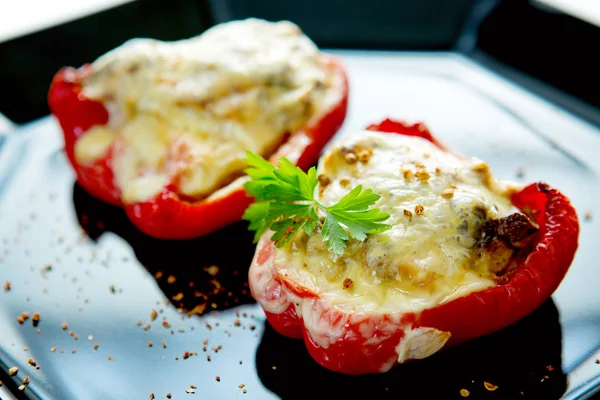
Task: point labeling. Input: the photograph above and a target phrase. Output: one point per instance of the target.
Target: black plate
(78, 261)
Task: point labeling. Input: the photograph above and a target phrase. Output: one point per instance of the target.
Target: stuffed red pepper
(461, 254)
(161, 128)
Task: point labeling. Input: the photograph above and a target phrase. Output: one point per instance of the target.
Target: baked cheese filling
(185, 112)
(454, 229)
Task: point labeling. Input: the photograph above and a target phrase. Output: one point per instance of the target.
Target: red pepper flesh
(368, 343)
(169, 215)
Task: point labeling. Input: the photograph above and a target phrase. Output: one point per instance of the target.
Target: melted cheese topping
(438, 204)
(187, 111)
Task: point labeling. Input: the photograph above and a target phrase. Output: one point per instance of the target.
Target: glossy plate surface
(79, 262)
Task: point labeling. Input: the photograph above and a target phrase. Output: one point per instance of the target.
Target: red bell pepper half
(359, 343)
(169, 215)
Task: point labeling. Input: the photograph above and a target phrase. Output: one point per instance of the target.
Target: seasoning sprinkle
(13, 371)
(324, 180)
(408, 214)
(149, 344)
(348, 283)
(190, 390)
(350, 158)
(178, 296)
(153, 315)
(96, 346)
(344, 182)
(364, 154)
(419, 209)
(7, 286)
(448, 193)
(423, 176)
(169, 395)
(64, 326)
(489, 386)
(465, 393)
(35, 319)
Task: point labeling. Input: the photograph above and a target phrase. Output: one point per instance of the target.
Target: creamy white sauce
(187, 111)
(423, 260)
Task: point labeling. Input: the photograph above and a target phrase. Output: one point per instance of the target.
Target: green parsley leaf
(256, 215)
(334, 235)
(285, 203)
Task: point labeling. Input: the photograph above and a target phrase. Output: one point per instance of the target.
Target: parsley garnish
(285, 203)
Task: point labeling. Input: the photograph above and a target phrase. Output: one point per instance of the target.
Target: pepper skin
(361, 343)
(169, 215)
